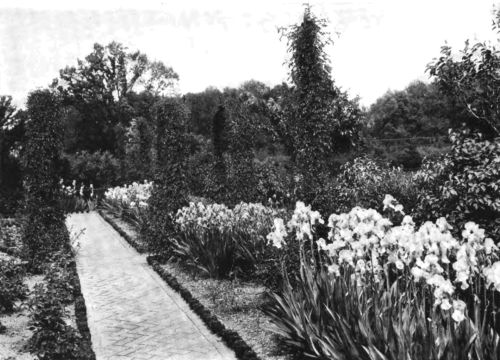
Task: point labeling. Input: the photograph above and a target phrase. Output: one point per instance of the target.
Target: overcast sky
(378, 45)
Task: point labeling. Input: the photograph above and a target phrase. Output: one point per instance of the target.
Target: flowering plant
(77, 198)
(221, 241)
(129, 201)
(424, 271)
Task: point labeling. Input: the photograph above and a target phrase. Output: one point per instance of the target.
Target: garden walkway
(132, 313)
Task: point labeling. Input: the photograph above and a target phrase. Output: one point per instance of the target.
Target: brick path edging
(81, 313)
(231, 338)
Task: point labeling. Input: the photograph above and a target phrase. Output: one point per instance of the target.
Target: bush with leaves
(364, 182)
(273, 180)
(170, 191)
(464, 185)
(53, 338)
(44, 229)
(472, 81)
(12, 286)
(100, 168)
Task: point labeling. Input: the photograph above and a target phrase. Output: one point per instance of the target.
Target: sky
(378, 45)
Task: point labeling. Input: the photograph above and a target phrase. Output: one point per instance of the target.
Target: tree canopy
(99, 94)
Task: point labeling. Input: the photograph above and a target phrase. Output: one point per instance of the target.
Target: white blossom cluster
(369, 243)
(135, 194)
(301, 224)
(251, 218)
(73, 190)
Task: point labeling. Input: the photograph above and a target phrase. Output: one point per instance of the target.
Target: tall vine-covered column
(170, 162)
(44, 229)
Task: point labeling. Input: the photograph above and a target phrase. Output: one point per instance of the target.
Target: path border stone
(231, 338)
(81, 313)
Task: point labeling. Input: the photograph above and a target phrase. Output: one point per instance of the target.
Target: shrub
(12, 287)
(52, 339)
(200, 175)
(100, 168)
(170, 161)
(44, 229)
(464, 184)
(364, 182)
(273, 180)
(10, 234)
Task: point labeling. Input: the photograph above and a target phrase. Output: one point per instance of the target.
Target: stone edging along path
(81, 313)
(231, 338)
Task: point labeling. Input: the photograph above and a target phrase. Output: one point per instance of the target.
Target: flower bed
(47, 318)
(373, 287)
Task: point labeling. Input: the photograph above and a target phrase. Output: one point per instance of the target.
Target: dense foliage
(316, 120)
(473, 82)
(44, 229)
(11, 132)
(138, 155)
(53, 338)
(12, 287)
(365, 182)
(99, 94)
(464, 184)
(101, 169)
(170, 152)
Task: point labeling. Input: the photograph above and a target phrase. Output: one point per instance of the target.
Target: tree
(203, 106)
(417, 111)
(473, 81)
(12, 123)
(316, 120)
(99, 89)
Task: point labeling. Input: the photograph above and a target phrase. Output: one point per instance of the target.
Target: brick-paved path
(132, 313)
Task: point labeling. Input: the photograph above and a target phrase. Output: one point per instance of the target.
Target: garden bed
(236, 304)
(19, 328)
(14, 340)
